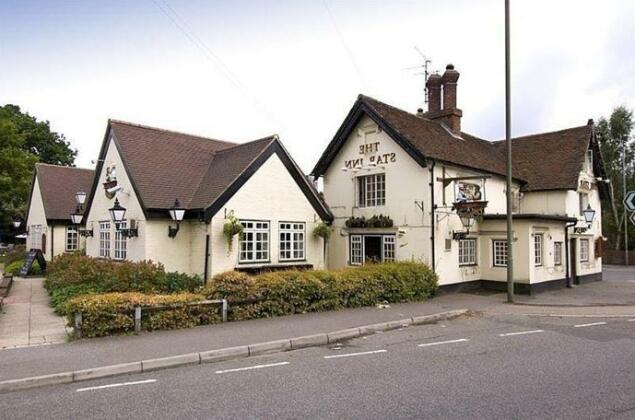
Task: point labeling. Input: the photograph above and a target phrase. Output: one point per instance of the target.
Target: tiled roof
(58, 185)
(542, 161)
(550, 161)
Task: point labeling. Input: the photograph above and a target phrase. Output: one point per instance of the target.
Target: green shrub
(73, 274)
(15, 267)
(113, 313)
(289, 292)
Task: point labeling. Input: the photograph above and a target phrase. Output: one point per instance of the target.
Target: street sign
(629, 201)
(632, 218)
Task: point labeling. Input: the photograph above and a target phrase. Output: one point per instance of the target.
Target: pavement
(27, 319)
(91, 353)
(486, 366)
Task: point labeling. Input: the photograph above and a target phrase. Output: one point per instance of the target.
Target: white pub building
(406, 186)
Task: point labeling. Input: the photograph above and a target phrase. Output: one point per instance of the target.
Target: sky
(242, 70)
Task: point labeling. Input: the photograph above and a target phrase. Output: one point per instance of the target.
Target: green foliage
(231, 228)
(616, 144)
(322, 230)
(23, 142)
(294, 291)
(73, 274)
(372, 222)
(113, 313)
(15, 267)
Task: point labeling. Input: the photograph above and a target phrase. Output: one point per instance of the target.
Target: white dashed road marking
(631, 320)
(363, 353)
(460, 340)
(252, 367)
(521, 333)
(589, 325)
(93, 388)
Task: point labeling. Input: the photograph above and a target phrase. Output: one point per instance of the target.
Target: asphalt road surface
(479, 367)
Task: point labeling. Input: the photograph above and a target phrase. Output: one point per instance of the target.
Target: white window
(371, 190)
(72, 239)
(356, 250)
(538, 238)
(104, 239)
(35, 232)
(557, 253)
(467, 251)
(584, 250)
(120, 242)
(500, 253)
(291, 241)
(254, 246)
(389, 247)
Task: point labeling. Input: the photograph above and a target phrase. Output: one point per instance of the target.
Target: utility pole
(623, 198)
(508, 140)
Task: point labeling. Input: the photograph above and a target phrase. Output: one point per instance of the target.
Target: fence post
(224, 309)
(137, 319)
(77, 329)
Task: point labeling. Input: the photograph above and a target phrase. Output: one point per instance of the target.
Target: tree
(23, 142)
(618, 152)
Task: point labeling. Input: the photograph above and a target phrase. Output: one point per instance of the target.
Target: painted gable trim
(350, 122)
(28, 205)
(274, 148)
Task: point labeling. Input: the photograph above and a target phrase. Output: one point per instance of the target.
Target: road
(508, 366)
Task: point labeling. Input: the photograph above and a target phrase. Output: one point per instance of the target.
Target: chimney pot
(590, 122)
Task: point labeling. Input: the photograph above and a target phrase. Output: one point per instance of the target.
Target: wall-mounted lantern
(77, 217)
(176, 213)
(17, 223)
(588, 214)
(117, 215)
(80, 197)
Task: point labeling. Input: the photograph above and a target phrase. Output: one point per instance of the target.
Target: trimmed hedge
(73, 274)
(289, 292)
(15, 267)
(113, 313)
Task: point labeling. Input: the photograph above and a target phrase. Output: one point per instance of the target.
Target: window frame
(292, 231)
(557, 252)
(105, 227)
(494, 252)
(539, 239)
(120, 242)
(352, 255)
(584, 201)
(35, 232)
(371, 198)
(254, 242)
(471, 262)
(392, 241)
(69, 232)
(588, 249)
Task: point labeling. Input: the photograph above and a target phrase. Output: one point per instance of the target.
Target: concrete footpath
(27, 319)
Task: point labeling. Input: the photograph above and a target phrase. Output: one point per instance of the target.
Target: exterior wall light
(80, 197)
(117, 214)
(17, 223)
(77, 217)
(589, 214)
(176, 213)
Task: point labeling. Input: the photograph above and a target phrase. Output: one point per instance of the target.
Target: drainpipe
(206, 270)
(566, 251)
(432, 214)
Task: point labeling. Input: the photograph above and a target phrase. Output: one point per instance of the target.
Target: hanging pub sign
(371, 156)
(468, 191)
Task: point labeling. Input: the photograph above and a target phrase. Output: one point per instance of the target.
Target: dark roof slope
(201, 172)
(58, 185)
(435, 141)
(542, 161)
(550, 161)
(164, 165)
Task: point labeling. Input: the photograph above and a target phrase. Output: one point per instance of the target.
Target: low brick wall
(617, 257)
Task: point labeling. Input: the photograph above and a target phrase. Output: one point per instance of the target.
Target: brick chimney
(449, 114)
(434, 92)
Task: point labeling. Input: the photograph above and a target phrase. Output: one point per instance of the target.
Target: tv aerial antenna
(427, 61)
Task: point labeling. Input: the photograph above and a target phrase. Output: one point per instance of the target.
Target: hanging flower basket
(231, 228)
(322, 230)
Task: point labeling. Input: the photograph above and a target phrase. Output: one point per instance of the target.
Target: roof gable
(58, 185)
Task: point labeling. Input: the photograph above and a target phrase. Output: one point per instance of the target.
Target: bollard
(224, 309)
(137, 319)
(77, 329)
